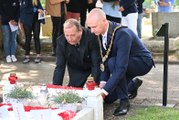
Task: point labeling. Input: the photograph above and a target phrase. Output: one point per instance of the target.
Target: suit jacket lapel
(109, 34)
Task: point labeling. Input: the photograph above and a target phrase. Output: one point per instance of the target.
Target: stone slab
(159, 18)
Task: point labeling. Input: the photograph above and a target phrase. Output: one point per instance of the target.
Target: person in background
(78, 49)
(164, 5)
(57, 10)
(9, 11)
(124, 57)
(87, 5)
(129, 14)
(74, 9)
(29, 11)
(140, 15)
(111, 7)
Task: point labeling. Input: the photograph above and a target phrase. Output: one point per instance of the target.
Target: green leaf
(20, 93)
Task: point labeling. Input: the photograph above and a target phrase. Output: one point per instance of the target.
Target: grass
(155, 113)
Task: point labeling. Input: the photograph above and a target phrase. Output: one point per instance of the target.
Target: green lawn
(155, 113)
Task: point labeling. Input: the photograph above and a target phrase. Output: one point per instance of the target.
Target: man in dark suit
(78, 48)
(124, 57)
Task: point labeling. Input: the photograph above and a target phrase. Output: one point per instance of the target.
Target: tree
(177, 2)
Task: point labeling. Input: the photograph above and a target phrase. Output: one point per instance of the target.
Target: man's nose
(92, 30)
(69, 37)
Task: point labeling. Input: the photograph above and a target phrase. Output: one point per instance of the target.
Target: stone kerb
(159, 18)
(156, 45)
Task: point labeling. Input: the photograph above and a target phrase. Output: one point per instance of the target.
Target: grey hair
(72, 22)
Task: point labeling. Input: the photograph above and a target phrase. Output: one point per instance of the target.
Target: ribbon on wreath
(65, 115)
(63, 87)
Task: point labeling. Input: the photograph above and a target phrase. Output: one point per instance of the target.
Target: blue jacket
(129, 7)
(27, 11)
(9, 10)
(126, 44)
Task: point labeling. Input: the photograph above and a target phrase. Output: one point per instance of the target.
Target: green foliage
(147, 3)
(156, 113)
(67, 97)
(177, 2)
(43, 3)
(20, 93)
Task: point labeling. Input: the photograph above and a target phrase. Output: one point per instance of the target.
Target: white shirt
(104, 41)
(104, 38)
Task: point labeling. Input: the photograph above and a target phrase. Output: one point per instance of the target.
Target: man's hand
(102, 84)
(121, 9)
(103, 95)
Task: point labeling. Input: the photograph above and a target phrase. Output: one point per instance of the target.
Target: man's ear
(81, 30)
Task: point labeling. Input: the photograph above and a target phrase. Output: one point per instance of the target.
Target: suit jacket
(9, 10)
(81, 60)
(126, 44)
(129, 7)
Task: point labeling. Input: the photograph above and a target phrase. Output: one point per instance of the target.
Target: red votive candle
(90, 84)
(12, 78)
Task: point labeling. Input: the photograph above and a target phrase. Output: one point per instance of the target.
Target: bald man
(124, 57)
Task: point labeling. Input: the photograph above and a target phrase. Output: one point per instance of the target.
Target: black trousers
(57, 30)
(28, 29)
(85, 6)
(115, 19)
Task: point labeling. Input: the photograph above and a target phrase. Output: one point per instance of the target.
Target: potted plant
(19, 95)
(68, 100)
